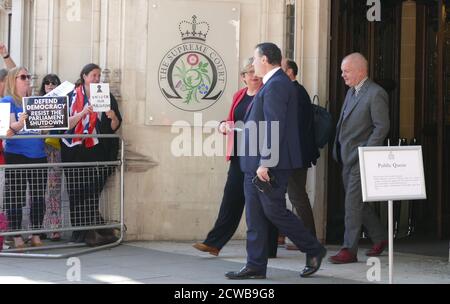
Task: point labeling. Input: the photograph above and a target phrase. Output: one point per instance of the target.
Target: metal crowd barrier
(90, 184)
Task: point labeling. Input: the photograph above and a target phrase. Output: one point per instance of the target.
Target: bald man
(364, 121)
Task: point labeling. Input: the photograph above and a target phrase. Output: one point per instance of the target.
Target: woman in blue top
(23, 151)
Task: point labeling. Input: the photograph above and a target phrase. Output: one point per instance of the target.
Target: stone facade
(166, 198)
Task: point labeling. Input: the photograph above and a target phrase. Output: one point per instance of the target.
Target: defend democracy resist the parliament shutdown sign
(46, 113)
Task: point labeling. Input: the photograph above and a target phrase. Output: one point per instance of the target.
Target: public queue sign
(388, 174)
(392, 173)
(46, 113)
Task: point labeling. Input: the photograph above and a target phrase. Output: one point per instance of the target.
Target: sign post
(388, 174)
(391, 241)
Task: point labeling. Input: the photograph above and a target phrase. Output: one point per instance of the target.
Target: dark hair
(85, 71)
(292, 65)
(3, 73)
(50, 77)
(271, 51)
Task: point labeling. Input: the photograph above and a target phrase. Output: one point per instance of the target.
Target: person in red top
(233, 200)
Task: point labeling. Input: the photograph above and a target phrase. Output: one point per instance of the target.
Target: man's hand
(263, 174)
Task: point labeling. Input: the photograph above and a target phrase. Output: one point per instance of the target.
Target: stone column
(313, 60)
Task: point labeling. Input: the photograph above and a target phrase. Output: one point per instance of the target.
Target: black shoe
(245, 274)
(313, 263)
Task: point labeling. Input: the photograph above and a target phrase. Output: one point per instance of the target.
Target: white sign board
(5, 117)
(392, 173)
(100, 98)
(62, 90)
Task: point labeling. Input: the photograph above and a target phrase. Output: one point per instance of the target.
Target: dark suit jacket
(308, 150)
(276, 102)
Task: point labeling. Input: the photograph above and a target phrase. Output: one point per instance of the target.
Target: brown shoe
(291, 246)
(377, 249)
(344, 256)
(205, 248)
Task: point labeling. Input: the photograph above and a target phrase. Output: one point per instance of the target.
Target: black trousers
(299, 198)
(85, 184)
(231, 210)
(16, 190)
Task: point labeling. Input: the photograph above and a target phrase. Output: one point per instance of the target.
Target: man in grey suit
(364, 121)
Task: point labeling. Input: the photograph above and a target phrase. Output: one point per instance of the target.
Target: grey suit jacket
(365, 123)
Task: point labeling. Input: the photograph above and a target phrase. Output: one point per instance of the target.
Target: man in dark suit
(364, 121)
(309, 152)
(271, 141)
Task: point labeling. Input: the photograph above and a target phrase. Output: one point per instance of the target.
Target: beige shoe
(205, 248)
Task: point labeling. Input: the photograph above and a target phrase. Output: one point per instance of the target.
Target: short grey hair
(358, 60)
(246, 65)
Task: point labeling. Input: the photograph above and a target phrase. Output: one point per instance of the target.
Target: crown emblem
(193, 30)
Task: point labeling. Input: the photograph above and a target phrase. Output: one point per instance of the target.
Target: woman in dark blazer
(233, 200)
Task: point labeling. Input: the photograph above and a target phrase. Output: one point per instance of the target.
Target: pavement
(179, 263)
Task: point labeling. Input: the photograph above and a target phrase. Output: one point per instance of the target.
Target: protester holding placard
(53, 151)
(23, 151)
(85, 185)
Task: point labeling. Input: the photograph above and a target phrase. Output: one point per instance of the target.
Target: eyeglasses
(252, 72)
(24, 77)
(48, 82)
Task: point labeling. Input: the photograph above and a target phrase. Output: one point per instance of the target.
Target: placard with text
(100, 97)
(46, 113)
(392, 173)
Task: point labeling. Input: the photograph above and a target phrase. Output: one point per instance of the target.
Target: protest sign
(46, 113)
(5, 116)
(62, 90)
(100, 98)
